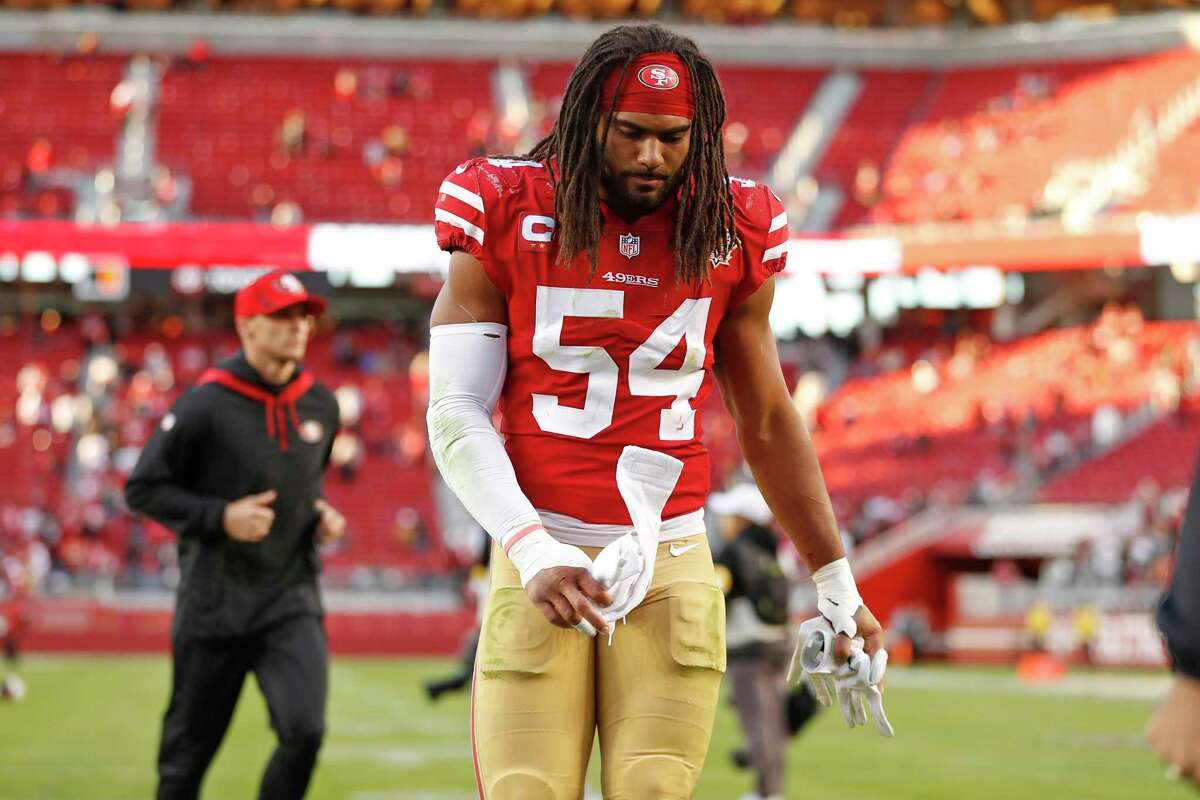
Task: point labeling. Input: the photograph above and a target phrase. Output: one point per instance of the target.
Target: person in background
(756, 632)
(235, 469)
(16, 585)
(477, 586)
(1174, 729)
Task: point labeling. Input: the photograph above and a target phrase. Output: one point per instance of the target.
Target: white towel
(645, 479)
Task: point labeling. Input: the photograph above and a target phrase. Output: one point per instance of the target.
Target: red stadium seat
(221, 123)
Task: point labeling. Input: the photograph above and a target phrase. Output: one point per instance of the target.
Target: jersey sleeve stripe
(459, 193)
(780, 221)
(775, 252)
(474, 231)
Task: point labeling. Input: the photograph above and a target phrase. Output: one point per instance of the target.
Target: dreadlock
(704, 222)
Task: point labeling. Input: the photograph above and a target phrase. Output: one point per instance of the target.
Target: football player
(598, 287)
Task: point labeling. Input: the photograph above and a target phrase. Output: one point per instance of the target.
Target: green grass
(89, 728)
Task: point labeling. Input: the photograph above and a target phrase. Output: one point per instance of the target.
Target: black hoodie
(1179, 615)
(230, 436)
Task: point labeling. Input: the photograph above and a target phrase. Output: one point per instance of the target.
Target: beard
(631, 205)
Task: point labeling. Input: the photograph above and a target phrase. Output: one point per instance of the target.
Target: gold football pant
(541, 692)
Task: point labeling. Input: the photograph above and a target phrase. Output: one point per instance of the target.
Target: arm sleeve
(766, 245)
(467, 366)
(460, 217)
(160, 485)
(1179, 614)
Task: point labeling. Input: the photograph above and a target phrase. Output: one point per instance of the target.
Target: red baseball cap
(273, 292)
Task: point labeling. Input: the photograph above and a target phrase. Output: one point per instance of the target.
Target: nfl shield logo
(629, 245)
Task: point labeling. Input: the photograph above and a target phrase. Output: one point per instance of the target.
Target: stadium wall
(87, 625)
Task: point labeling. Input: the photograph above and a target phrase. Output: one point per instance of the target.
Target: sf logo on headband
(658, 76)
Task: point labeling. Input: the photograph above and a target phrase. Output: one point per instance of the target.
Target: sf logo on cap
(658, 76)
(289, 284)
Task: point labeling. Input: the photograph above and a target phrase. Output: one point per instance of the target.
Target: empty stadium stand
(368, 141)
(988, 140)
(54, 118)
(1165, 452)
(957, 411)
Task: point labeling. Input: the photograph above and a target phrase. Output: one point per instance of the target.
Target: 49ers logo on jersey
(658, 76)
(630, 280)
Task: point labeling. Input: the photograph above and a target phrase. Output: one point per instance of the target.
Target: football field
(89, 727)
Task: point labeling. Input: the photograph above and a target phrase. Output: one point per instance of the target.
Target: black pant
(291, 663)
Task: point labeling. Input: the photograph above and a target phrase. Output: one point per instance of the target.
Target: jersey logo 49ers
(629, 245)
(630, 280)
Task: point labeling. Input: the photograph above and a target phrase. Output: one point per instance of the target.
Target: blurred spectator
(399, 84)
(197, 52)
(866, 183)
(292, 131)
(38, 161)
(347, 455)
(395, 139)
(286, 213)
(345, 83)
(409, 530)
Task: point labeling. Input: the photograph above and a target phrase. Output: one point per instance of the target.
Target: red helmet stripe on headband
(655, 83)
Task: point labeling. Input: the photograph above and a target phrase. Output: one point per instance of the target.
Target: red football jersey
(600, 361)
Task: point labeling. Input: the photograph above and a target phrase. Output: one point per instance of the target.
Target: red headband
(655, 83)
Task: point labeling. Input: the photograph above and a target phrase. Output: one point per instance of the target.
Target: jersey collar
(661, 218)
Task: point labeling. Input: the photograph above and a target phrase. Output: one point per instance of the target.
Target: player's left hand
(331, 525)
(840, 666)
(1174, 730)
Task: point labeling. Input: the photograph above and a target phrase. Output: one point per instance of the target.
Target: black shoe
(434, 691)
(741, 758)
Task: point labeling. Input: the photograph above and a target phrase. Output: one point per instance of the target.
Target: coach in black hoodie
(1174, 730)
(235, 470)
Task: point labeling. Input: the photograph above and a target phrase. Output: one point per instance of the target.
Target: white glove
(855, 682)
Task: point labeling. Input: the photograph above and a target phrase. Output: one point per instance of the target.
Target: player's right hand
(250, 519)
(569, 596)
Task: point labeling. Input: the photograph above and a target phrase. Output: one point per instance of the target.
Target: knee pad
(654, 778)
(521, 786)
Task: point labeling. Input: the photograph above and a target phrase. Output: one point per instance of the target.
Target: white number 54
(646, 379)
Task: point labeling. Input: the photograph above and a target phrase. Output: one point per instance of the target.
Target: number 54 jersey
(601, 359)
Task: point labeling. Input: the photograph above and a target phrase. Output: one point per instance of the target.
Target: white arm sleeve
(467, 365)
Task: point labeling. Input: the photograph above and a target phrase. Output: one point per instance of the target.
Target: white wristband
(837, 596)
(537, 550)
